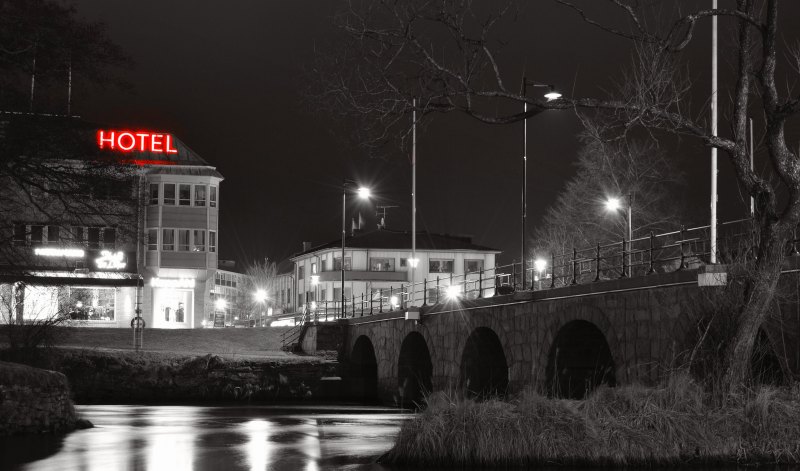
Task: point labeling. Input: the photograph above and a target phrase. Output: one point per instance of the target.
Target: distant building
(377, 267)
(148, 240)
(231, 287)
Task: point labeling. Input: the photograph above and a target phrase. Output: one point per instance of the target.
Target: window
(212, 241)
(199, 241)
(91, 304)
(93, 234)
(20, 234)
(77, 235)
(440, 266)
(301, 273)
(337, 264)
(185, 195)
(154, 193)
(152, 239)
(403, 263)
(37, 232)
(183, 240)
(322, 294)
(199, 195)
(109, 238)
(212, 197)
(168, 239)
(53, 234)
(381, 264)
(314, 268)
(473, 266)
(169, 194)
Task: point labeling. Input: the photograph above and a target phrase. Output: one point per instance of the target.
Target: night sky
(228, 79)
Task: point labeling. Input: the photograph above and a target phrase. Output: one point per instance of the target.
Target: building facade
(378, 271)
(147, 240)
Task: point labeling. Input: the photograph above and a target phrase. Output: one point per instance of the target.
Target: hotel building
(142, 232)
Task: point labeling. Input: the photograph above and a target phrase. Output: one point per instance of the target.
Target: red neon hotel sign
(136, 141)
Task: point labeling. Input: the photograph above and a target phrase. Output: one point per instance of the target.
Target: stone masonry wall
(34, 401)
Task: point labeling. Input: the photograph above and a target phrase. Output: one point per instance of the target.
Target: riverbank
(34, 401)
(674, 424)
(107, 376)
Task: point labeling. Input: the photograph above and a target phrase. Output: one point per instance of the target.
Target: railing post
(624, 265)
(353, 303)
(574, 266)
(553, 270)
(380, 300)
(597, 264)
(391, 293)
(402, 298)
(514, 275)
(362, 303)
(425, 292)
(371, 311)
(683, 255)
(652, 248)
(437, 289)
(480, 283)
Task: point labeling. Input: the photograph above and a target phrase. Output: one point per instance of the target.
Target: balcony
(364, 275)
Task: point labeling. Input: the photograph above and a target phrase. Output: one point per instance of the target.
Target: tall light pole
(261, 296)
(363, 193)
(714, 104)
(551, 95)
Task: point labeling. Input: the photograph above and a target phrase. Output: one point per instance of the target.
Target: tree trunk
(761, 289)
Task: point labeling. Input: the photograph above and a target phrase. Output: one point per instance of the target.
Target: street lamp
(551, 95)
(363, 193)
(220, 304)
(614, 204)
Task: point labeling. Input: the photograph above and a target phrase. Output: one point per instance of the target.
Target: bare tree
(261, 278)
(444, 53)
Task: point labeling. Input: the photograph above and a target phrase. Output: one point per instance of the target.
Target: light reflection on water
(185, 438)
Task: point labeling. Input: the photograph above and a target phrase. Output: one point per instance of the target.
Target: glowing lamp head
(313, 305)
(613, 204)
(394, 301)
(314, 279)
(364, 193)
(552, 95)
(453, 292)
(79, 304)
(220, 304)
(540, 264)
(260, 295)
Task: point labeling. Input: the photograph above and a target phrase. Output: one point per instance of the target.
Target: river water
(184, 438)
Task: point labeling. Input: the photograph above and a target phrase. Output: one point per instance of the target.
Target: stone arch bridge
(563, 340)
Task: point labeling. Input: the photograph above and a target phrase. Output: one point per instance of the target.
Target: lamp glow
(552, 95)
(220, 304)
(453, 291)
(260, 295)
(540, 264)
(364, 193)
(314, 279)
(613, 204)
(393, 301)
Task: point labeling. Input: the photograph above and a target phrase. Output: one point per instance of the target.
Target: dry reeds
(675, 423)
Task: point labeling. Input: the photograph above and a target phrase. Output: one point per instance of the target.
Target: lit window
(381, 264)
(212, 241)
(91, 304)
(168, 240)
(199, 241)
(183, 240)
(473, 266)
(212, 197)
(440, 266)
(152, 239)
(169, 194)
(185, 195)
(199, 195)
(154, 193)
(314, 268)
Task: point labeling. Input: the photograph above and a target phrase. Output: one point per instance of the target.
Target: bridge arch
(363, 370)
(579, 360)
(414, 370)
(484, 369)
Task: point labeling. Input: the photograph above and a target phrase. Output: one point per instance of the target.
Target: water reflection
(168, 438)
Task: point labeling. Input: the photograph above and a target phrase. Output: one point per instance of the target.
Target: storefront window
(91, 304)
(381, 264)
(337, 263)
(440, 266)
